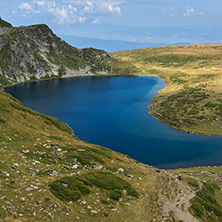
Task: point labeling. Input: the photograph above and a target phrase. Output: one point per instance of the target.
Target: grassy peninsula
(192, 98)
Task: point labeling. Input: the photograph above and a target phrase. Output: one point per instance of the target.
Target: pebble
(114, 210)
(120, 170)
(81, 150)
(29, 189)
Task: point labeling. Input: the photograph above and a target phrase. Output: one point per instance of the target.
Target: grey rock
(120, 170)
(35, 50)
(94, 211)
(114, 210)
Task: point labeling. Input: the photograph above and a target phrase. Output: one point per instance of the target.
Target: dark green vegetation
(192, 182)
(91, 155)
(5, 82)
(71, 188)
(188, 107)
(191, 109)
(205, 204)
(5, 24)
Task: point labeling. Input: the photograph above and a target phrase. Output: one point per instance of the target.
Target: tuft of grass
(205, 203)
(71, 188)
(86, 158)
(192, 182)
(57, 123)
(2, 120)
(4, 82)
(92, 154)
(115, 194)
(56, 137)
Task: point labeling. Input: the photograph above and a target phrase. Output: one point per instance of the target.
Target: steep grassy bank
(48, 174)
(192, 99)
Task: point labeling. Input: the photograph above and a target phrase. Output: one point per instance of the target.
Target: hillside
(48, 174)
(35, 52)
(192, 98)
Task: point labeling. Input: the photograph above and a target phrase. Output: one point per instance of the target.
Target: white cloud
(202, 14)
(189, 12)
(40, 3)
(172, 12)
(73, 11)
(96, 21)
(25, 6)
(64, 14)
(89, 7)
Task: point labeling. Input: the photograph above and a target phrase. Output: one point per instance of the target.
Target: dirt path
(146, 206)
(183, 215)
(174, 195)
(180, 203)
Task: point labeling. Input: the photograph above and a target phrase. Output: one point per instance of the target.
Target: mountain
(48, 174)
(35, 52)
(109, 45)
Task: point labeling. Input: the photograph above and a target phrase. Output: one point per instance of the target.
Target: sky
(151, 21)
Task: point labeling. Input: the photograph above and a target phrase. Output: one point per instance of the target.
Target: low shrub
(115, 194)
(192, 182)
(205, 201)
(71, 188)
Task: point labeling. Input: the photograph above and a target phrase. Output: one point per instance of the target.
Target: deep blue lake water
(112, 112)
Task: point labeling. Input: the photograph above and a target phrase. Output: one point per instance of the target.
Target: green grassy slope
(48, 174)
(192, 99)
(39, 155)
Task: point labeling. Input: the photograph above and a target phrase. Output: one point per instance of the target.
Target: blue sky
(166, 21)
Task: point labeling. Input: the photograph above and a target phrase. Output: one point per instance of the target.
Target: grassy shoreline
(40, 175)
(191, 101)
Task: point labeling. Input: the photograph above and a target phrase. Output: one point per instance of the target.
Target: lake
(113, 112)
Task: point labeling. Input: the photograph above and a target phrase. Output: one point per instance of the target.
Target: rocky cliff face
(35, 52)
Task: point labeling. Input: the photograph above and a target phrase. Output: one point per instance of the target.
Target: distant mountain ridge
(112, 45)
(35, 52)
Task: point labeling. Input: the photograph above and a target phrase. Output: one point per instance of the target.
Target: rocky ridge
(35, 52)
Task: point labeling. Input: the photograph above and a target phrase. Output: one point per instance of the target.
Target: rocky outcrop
(35, 52)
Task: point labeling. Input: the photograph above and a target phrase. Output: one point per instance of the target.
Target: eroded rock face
(35, 52)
